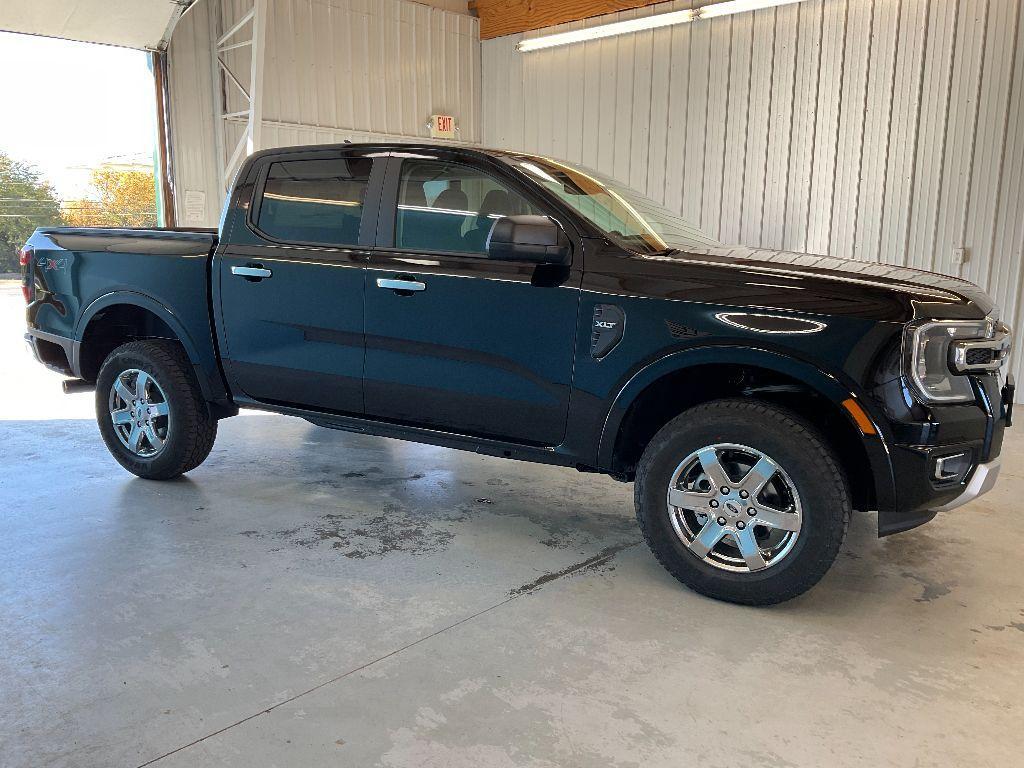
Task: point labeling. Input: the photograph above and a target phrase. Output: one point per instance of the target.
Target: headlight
(932, 348)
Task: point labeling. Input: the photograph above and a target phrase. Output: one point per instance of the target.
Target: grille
(978, 356)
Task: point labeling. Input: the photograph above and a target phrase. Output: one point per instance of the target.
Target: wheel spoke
(748, 548)
(123, 416)
(713, 468)
(681, 499)
(155, 441)
(758, 476)
(719, 517)
(135, 437)
(141, 382)
(784, 521)
(158, 409)
(123, 392)
(709, 535)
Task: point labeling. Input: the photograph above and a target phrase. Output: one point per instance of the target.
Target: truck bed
(75, 273)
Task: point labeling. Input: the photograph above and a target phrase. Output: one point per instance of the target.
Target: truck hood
(937, 294)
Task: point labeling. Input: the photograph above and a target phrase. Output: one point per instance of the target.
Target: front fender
(825, 384)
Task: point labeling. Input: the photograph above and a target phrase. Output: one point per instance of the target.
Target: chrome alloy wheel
(734, 507)
(140, 412)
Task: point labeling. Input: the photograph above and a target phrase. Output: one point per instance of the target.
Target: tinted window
(449, 207)
(627, 217)
(315, 201)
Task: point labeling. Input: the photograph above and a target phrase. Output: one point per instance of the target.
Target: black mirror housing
(528, 238)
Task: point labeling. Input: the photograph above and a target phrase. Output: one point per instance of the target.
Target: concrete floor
(310, 598)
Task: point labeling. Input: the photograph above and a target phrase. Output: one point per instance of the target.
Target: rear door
(291, 280)
(460, 342)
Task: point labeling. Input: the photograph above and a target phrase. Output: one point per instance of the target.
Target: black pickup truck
(523, 307)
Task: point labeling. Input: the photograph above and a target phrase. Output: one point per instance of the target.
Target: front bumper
(925, 436)
(982, 481)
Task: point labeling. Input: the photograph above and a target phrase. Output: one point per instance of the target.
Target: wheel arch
(122, 316)
(670, 385)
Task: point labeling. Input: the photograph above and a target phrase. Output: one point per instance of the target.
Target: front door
(454, 340)
(291, 281)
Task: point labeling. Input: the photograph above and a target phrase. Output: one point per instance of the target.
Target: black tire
(797, 448)
(190, 429)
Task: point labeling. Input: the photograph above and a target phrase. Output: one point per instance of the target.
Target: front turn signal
(860, 416)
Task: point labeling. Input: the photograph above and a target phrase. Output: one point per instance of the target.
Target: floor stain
(337, 482)
(930, 590)
(565, 525)
(1018, 625)
(562, 523)
(556, 543)
(395, 530)
(594, 563)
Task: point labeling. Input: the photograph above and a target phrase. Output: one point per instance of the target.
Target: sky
(66, 107)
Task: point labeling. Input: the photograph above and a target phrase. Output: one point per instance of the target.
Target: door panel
(295, 335)
(485, 347)
(478, 351)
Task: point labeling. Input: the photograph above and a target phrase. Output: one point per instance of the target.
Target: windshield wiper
(640, 242)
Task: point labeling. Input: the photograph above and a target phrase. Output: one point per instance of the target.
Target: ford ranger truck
(528, 308)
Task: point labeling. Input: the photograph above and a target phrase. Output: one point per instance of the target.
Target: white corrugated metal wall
(193, 151)
(361, 70)
(886, 130)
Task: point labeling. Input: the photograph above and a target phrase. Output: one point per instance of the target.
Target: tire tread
(200, 430)
(749, 594)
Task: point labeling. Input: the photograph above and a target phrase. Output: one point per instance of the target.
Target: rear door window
(450, 207)
(317, 201)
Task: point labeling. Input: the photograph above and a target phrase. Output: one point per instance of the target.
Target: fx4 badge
(52, 265)
(609, 324)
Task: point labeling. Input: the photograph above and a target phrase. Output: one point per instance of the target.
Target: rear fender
(207, 372)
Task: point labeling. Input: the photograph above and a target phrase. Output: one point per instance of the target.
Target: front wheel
(151, 411)
(742, 501)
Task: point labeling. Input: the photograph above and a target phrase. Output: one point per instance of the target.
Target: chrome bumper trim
(982, 481)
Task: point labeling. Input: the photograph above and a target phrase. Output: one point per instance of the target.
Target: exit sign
(442, 127)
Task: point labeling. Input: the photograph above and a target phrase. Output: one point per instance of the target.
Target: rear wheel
(151, 411)
(742, 501)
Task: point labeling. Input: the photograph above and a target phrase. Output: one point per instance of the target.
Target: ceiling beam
(507, 17)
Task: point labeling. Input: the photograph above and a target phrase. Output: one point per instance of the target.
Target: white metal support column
(252, 92)
(213, 12)
(259, 40)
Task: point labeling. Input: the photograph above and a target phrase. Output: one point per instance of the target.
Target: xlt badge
(609, 324)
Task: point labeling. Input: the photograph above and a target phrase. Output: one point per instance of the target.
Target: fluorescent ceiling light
(607, 30)
(643, 23)
(738, 6)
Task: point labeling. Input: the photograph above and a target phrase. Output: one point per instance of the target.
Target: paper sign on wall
(442, 127)
(195, 207)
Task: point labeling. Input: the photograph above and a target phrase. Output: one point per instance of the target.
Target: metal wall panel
(191, 115)
(374, 66)
(362, 70)
(879, 130)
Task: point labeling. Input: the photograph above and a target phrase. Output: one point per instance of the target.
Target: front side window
(315, 201)
(628, 218)
(450, 207)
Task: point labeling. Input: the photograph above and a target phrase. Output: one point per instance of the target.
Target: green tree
(26, 202)
(118, 197)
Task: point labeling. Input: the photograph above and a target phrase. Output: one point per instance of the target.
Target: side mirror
(528, 238)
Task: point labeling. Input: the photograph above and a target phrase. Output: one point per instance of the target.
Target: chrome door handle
(257, 272)
(401, 285)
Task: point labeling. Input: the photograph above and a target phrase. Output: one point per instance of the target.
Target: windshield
(628, 218)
